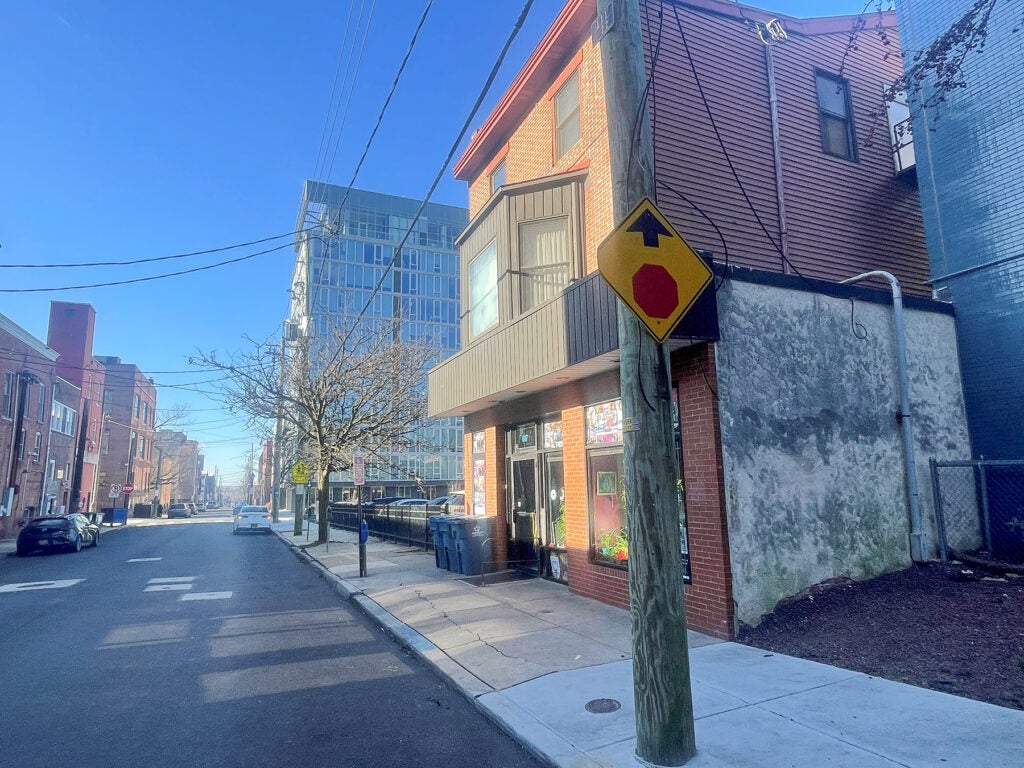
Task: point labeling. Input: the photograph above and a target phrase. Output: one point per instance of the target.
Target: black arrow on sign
(648, 224)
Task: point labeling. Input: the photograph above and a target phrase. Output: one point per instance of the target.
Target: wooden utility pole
(661, 666)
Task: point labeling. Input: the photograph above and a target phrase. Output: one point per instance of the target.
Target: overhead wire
(148, 278)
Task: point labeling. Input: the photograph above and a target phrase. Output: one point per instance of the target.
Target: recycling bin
(474, 540)
(115, 515)
(438, 529)
(450, 528)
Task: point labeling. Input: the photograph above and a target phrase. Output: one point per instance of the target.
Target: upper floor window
(138, 402)
(41, 405)
(37, 448)
(483, 290)
(567, 115)
(544, 260)
(835, 116)
(498, 177)
(8, 405)
(145, 413)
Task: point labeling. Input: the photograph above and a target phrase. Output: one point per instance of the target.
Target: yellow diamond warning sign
(652, 269)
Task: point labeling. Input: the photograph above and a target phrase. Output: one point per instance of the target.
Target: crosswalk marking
(173, 580)
(206, 596)
(32, 585)
(145, 559)
(168, 588)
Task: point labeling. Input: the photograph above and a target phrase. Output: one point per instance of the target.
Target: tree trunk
(323, 493)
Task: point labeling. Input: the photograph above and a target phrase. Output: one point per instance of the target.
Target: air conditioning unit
(291, 330)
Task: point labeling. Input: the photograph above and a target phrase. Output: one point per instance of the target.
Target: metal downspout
(917, 545)
(780, 192)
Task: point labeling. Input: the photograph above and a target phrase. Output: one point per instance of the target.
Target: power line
(451, 153)
(156, 258)
(146, 279)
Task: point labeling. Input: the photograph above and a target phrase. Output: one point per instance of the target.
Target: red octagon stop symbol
(655, 291)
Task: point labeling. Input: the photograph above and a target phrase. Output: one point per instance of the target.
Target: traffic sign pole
(661, 671)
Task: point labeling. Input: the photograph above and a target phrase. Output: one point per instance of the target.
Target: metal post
(986, 521)
(940, 516)
(362, 541)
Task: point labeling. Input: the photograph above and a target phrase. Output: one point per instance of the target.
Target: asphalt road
(178, 644)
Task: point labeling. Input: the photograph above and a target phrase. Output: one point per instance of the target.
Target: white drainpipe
(917, 546)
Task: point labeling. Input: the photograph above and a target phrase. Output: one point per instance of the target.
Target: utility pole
(661, 667)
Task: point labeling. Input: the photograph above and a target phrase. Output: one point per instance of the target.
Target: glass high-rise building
(347, 239)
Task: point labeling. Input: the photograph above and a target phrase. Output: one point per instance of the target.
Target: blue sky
(134, 128)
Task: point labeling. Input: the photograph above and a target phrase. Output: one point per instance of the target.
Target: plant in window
(615, 544)
(558, 529)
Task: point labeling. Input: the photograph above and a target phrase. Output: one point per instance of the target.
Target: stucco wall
(811, 448)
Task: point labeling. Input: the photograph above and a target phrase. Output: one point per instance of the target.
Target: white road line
(168, 588)
(31, 585)
(172, 580)
(145, 559)
(206, 596)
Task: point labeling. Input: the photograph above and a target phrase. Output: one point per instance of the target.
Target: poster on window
(553, 434)
(478, 443)
(479, 497)
(604, 423)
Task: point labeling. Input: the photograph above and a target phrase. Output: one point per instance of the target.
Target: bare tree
(358, 388)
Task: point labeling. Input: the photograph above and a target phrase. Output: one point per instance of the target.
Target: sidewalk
(531, 655)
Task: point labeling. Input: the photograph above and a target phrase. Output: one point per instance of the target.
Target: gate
(979, 510)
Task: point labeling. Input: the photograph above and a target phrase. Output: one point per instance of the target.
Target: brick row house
(70, 422)
(790, 459)
(28, 377)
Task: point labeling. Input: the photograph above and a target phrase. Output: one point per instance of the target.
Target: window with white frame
(498, 177)
(483, 290)
(567, 115)
(37, 448)
(41, 405)
(835, 116)
(544, 266)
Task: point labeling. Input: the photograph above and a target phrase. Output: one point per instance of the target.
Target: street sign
(127, 488)
(300, 473)
(115, 490)
(359, 471)
(652, 269)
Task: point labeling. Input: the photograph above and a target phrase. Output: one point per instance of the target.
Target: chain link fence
(979, 510)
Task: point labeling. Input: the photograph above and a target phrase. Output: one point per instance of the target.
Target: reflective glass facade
(350, 238)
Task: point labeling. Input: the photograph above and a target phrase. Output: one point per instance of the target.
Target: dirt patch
(950, 627)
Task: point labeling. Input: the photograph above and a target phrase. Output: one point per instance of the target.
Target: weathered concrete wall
(811, 447)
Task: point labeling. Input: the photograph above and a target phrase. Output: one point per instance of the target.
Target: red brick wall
(494, 456)
(709, 603)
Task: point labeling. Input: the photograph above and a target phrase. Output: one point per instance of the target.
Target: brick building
(65, 427)
(790, 459)
(126, 450)
(27, 375)
(70, 331)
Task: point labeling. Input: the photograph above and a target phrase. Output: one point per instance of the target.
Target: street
(175, 643)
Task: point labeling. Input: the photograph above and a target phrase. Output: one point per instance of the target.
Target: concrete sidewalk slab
(531, 655)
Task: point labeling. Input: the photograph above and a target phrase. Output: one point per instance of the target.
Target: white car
(252, 518)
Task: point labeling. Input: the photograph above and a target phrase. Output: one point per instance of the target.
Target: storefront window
(606, 484)
(606, 489)
(479, 500)
(552, 435)
(525, 437)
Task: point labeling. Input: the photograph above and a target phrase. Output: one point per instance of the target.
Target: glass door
(555, 563)
(523, 526)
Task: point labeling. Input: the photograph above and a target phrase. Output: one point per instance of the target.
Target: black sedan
(68, 532)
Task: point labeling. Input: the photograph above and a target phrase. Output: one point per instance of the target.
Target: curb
(457, 676)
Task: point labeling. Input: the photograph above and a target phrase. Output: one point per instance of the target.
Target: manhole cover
(602, 706)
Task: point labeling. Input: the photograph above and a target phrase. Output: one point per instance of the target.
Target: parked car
(408, 502)
(252, 518)
(178, 509)
(71, 532)
(192, 511)
(453, 499)
(200, 506)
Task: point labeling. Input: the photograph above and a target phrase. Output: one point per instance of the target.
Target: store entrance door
(524, 531)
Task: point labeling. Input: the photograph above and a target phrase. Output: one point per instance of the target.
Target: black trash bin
(438, 529)
(449, 526)
(474, 540)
